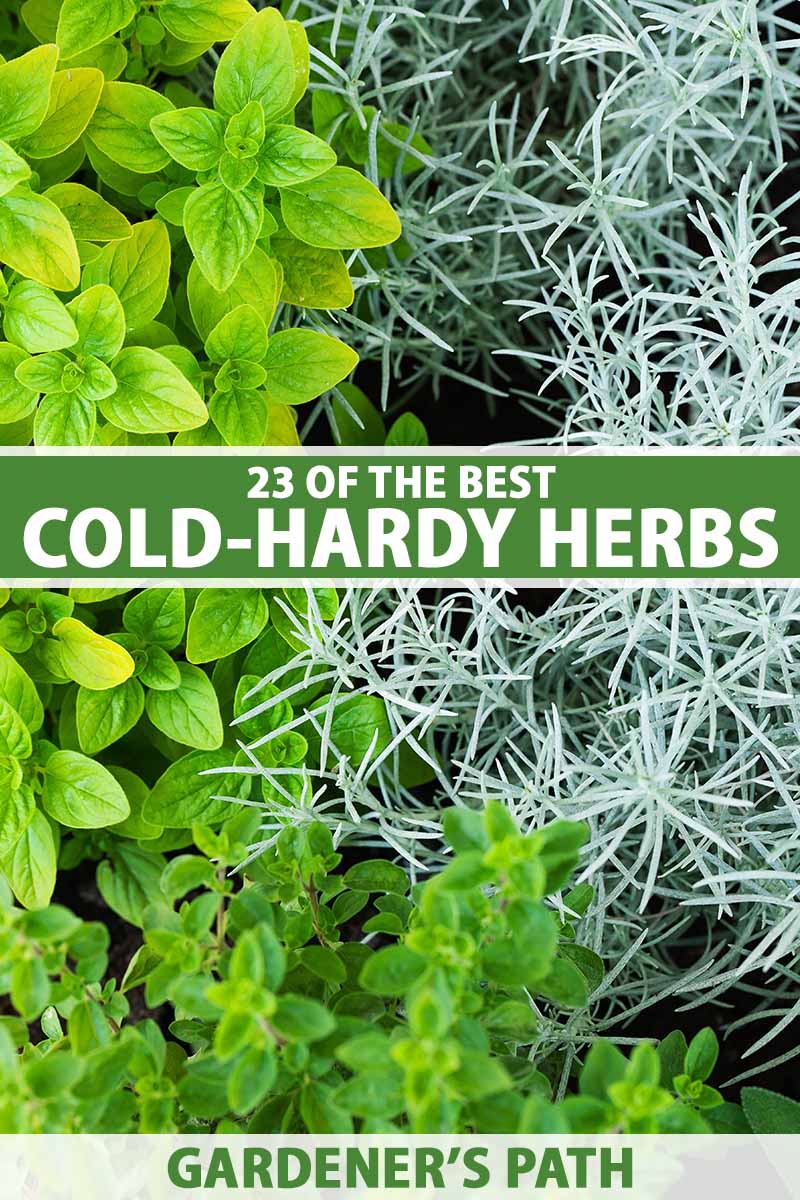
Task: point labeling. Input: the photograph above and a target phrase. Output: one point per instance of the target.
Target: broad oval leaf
(104, 717)
(257, 284)
(240, 334)
(312, 278)
(301, 364)
(152, 396)
(19, 690)
(223, 621)
(100, 321)
(30, 867)
(221, 228)
(189, 714)
(25, 86)
(340, 210)
(17, 807)
(90, 216)
(65, 419)
(16, 399)
(15, 737)
(36, 239)
(82, 25)
(138, 271)
(183, 796)
(93, 661)
(74, 97)
(120, 127)
(193, 137)
(157, 615)
(35, 319)
(290, 156)
(202, 21)
(242, 417)
(80, 793)
(257, 65)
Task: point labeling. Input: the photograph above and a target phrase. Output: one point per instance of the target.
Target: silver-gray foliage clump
(595, 204)
(604, 214)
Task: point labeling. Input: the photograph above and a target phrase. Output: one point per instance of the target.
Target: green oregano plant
(151, 243)
(132, 38)
(114, 707)
(241, 151)
(303, 997)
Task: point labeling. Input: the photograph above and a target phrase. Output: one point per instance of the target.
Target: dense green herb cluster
(114, 706)
(281, 1022)
(149, 239)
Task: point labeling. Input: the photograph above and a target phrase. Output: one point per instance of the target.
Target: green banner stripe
(427, 515)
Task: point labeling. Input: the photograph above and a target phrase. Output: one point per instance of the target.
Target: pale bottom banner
(164, 1167)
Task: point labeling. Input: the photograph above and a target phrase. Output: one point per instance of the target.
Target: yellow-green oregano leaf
(35, 319)
(257, 65)
(240, 334)
(25, 85)
(301, 56)
(17, 400)
(312, 278)
(100, 321)
(82, 794)
(91, 216)
(188, 714)
(193, 137)
(65, 419)
(37, 241)
(291, 156)
(183, 796)
(120, 127)
(204, 21)
(104, 717)
(74, 97)
(340, 210)
(157, 616)
(83, 25)
(281, 426)
(13, 169)
(20, 691)
(301, 364)
(40, 17)
(152, 396)
(91, 660)
(15, 737)
(223, 621)
(110, 57)
(240, 416)
(175, 53)
(113, 175)
(257, 284)
(30, 868)
(138, 271)
(43, 372)
(221, 228)
(17, 807)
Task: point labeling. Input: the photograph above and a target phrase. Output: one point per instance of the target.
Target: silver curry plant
(605, 158)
